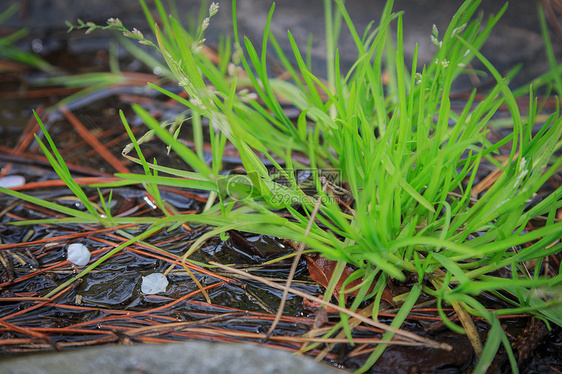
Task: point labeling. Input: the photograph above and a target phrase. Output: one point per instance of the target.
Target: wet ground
(107, 306)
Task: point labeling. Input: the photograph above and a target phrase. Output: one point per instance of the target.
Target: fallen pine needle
(404, 334)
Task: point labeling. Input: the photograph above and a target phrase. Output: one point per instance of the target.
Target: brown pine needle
(490, 179)
(290, 339)
(94, 142)
(166, 328)
(404, 334)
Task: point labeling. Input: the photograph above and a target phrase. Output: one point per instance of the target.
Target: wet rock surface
(193, 357)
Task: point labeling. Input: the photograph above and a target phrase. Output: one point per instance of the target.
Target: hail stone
(154, 283)
(12, 181)
(78, 254)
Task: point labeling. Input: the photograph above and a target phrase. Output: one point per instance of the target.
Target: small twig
(294, 339)
(294, 267)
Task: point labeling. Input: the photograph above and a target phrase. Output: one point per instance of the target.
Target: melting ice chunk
(12, 181)
(154, 283)
(78, 254)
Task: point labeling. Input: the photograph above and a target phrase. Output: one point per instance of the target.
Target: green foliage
(403, 157)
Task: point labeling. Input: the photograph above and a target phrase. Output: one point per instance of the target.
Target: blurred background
(515, 39)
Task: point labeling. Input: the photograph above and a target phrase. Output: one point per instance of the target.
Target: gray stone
(181, 358)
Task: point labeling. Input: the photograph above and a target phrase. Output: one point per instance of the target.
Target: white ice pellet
(78, 254)
(154, 283)
(11, 181)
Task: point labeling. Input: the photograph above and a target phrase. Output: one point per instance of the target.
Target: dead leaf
(322, 269)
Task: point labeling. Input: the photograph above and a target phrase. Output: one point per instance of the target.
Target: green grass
(407, 161)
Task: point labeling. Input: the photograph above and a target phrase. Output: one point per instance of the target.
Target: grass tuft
(399, 165)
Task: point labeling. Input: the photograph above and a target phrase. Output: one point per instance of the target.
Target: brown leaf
(322, 269)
